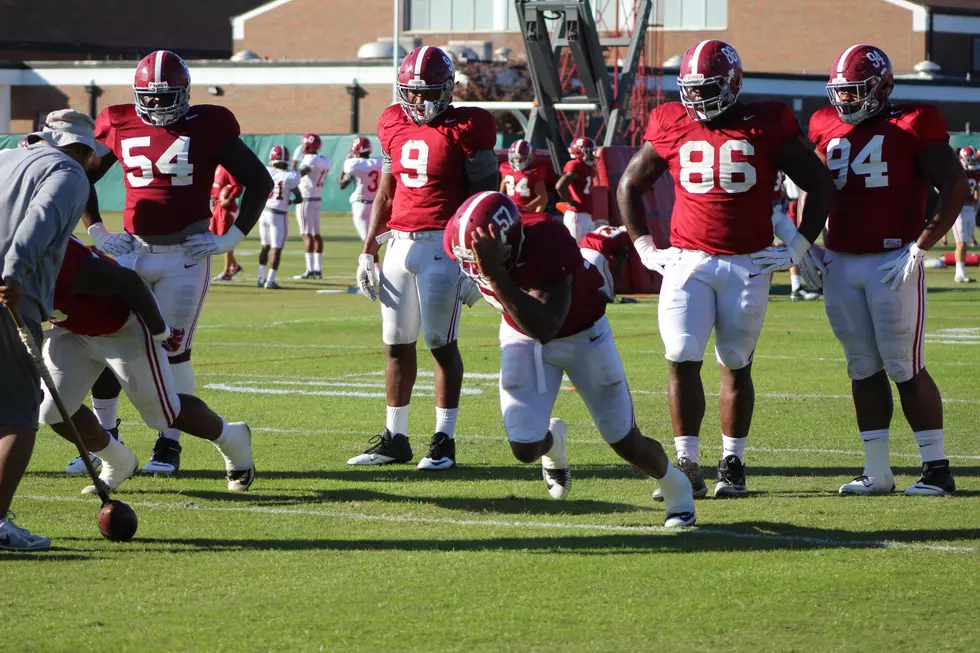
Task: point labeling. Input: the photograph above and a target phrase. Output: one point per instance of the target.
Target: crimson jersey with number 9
(723, 175)
(427, 162)
(167, 171)
(881, 203)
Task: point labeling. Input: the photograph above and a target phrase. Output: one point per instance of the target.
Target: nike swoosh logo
(749, 117)
(593, 339)
(437, 258)
(189, 266)
(191, 117)
(895, 113)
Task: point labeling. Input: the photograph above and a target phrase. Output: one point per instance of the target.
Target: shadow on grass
(61, 555)
(744, 536)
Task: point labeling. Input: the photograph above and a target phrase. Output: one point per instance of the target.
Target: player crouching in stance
(723, 156)
(274, 221)
(554, 323)
(884, 157)
(104, 315)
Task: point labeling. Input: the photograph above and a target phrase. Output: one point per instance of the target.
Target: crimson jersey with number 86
(724, 175)
(881, 201)
(167, 171)
(427, 162)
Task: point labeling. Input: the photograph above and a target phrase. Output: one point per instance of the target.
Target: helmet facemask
(855, 101)
(435, 99)
(706, 98)
(160, 105)
(518, 162)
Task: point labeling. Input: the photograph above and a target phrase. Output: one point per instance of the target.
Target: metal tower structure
(598, 56)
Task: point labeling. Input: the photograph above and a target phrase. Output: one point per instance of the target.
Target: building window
(450, 16)
(691, 14)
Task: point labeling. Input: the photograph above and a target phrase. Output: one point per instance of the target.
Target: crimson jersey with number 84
(881, 201)
(427, 162)
(724, 176)
(167, 171)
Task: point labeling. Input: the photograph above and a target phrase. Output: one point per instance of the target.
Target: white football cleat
(865, 485)
(678, 497)
(236, 449)
(76, 467)
(554, 464)
(113, 477)
(962, 278)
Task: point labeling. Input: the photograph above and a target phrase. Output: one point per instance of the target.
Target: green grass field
(322, 557)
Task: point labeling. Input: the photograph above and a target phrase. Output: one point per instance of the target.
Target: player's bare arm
(643, 170)
(941, 167)
(380, 213)
(250, 172)
(539, 312)
(344, 181)
(99, 277)
(810, 173)
(295, 197)
(564, 182)
(540, 200)
(95, 170)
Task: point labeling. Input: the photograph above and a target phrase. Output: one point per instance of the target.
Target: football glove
(651, 257)
(367, 276)
(469, 292)
(812, 268)
(110, 243)
(781, 257)
(903, 266)
(171, 339)
(207, 244)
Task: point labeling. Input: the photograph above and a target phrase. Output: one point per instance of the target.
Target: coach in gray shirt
(43, 189)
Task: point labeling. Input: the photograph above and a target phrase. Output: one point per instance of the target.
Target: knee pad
(683, 348)
(898, 371)
(732, 357)
(863, 367)
(183, 378)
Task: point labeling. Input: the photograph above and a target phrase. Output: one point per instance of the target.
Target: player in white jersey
(314, 168)
(273, 225)
(365, 172)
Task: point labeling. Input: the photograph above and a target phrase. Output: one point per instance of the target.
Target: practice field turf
(322, 557)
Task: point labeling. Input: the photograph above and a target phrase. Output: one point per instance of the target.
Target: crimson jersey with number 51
(881, 202)
(427, 162)
(519, 184)
(167, 171)
(723, 175)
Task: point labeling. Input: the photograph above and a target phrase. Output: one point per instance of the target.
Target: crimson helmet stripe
(419, 60)
(696, 57)
(158, 65)
(464, 219)
(842, 62)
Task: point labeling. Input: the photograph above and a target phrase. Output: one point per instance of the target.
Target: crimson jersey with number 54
(881, 202)
(724, 175)
(167, 171)
(427, 162)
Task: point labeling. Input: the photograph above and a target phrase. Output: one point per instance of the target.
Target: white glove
(653, 258)
(782, 257)
(469, 292)
(367, 276)
(812, 268)
(783, 227)
(110, 243)
(903, 266)
(207, 244)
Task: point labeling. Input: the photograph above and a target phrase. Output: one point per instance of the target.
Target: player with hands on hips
(528, 266)
(966, 223)
(434, 156)
(314, 168)
(169, 150)
(225, 192)
(575, 187)
(105, 316)
(274, 222)
(883, 158)
(723, 155)
(521, 180)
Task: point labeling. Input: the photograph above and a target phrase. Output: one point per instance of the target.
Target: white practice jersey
(312, 184)
(366, 174)
(284, 181)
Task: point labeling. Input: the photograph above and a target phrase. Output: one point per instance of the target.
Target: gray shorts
(20, 386)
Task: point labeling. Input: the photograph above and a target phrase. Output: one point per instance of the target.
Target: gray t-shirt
(42, 196)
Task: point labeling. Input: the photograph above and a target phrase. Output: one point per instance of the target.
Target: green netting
(112, 193)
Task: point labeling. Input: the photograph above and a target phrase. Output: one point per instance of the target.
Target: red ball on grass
(117, 521)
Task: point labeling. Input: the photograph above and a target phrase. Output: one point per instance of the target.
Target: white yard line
(829, 542)
(424, 391)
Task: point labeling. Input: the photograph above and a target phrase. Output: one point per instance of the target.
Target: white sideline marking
(789, 395)
(272, 325)
(840, 359)
(489, 376)
(424, 391)
(266, 345)
(542, 525)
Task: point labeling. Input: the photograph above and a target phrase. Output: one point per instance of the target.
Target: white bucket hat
(67, 126)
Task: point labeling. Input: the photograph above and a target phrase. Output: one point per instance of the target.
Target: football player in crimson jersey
(104, 315)
(554, 323)
(169, 150)
(575, 187)
(315, 168)
(608, 249)
(365, 172)
(434, 156)
(521, 180)
(723, 155)
(967, 220)
(883, 158)
(225, 192)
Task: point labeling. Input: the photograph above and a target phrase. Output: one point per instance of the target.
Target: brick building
(307, 54)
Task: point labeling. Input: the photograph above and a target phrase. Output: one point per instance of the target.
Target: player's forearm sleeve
(385, 162)
(481, 165)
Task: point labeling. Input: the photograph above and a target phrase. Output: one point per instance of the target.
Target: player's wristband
(165, 336)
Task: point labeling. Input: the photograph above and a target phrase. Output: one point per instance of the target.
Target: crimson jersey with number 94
(427, 162)
(167, 171)
(724, 175)
(881, 202)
